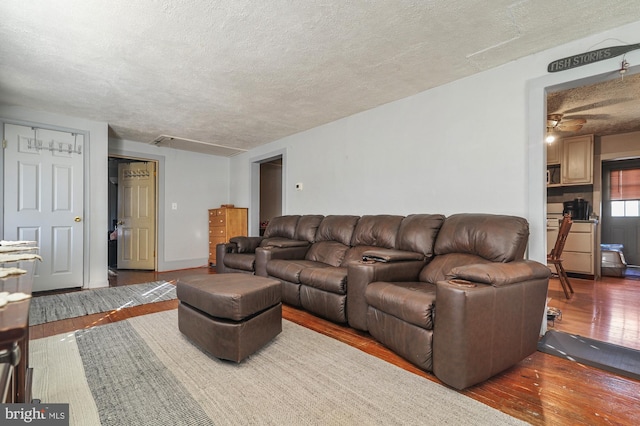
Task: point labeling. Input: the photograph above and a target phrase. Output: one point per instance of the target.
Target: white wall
(475, 145)
(195, 182)
(95, 217)
(620, 146)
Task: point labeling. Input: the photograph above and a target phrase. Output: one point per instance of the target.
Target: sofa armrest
(221, 251)
(265, 254)
(284, 243)
(246, 244)
(481, 330)
(391, 255)
(500, 274)
(361, 274)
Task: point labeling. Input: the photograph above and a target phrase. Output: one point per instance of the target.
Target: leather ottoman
(229, 316)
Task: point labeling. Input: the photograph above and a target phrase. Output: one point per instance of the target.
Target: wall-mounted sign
(590, 57)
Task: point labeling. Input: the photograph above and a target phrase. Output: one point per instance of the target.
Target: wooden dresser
(225, 223)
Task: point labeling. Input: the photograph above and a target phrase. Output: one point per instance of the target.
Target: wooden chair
(554, 257)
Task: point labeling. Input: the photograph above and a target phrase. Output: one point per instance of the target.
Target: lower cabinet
(579, 250)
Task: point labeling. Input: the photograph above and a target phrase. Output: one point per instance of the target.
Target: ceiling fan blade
(573, 122)
(573, 128)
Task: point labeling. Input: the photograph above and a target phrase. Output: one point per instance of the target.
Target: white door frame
(86, 219)
(159, 196)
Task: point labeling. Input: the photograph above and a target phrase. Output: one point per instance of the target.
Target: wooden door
(136, 216)
(43, 201)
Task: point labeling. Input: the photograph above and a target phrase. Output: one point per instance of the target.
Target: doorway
(603, 323)
(270, 191)
(132, 212)
(268, 195)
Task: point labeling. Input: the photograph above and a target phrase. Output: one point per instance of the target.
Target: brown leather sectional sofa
(384, 273)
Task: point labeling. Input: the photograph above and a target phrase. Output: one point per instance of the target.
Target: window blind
(625, 184)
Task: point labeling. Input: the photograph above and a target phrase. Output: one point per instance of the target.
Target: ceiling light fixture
(550, 138)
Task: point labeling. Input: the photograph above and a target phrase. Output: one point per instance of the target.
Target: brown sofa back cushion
(418, 233)
(307, 227)
(377, 231)
(282, 226)
(337, 228)
(329, 252)
(493, 237)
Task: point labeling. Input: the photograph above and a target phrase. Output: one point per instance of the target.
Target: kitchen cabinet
(225, 223)
(574, 158)
(577, 160)
(579, 249)
(554, 152)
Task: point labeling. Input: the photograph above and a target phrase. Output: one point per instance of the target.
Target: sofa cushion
(333, 280)
(289, 270)
(376, 231)
(307, 227)
(412, 302)
(441, 266)
(418, 233)
(328, 252)
(495, 237)
(337, 228)
(242, 261)
(282, 226)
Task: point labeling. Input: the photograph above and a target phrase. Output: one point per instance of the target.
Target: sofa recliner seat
(239, 254)
(317, 279)
(474, 310)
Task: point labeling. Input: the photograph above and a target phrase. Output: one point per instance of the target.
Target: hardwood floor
(542, 389)
(606, 310)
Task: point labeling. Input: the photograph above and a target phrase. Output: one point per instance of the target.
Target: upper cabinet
(554, 152)
(577, 160)
(574, 156)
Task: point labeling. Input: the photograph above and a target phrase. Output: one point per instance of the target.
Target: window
(625, 192)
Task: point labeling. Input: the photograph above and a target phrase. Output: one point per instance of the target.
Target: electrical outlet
(299, 186)
(174, 206)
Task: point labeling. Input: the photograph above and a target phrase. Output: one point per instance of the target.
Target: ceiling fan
(556, 123)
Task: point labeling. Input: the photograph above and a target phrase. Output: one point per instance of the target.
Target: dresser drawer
(213, 242)
(220, 220)
(218, 231)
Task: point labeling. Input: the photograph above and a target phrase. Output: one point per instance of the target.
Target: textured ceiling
(609, 107)
(241, 73)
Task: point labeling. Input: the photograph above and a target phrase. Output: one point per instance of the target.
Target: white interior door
(136, 215)
(43, 201)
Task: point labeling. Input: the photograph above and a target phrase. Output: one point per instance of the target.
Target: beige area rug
(142, 371)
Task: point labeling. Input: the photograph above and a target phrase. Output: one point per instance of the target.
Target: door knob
(77, 219)
(119, 222)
